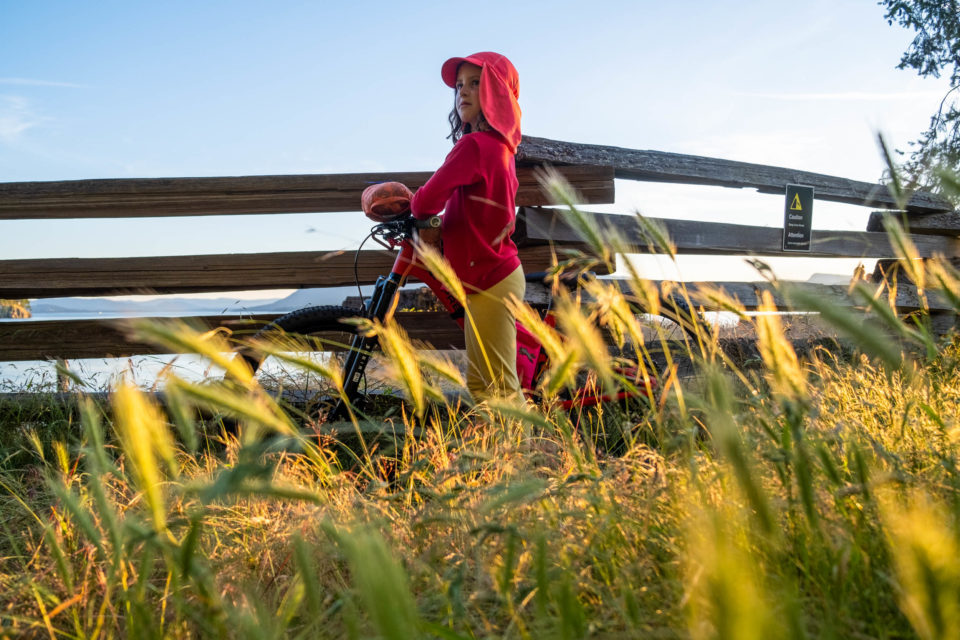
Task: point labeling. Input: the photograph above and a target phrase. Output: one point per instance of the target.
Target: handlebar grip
(433, 222)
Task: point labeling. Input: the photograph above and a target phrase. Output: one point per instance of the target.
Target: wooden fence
(591, 169)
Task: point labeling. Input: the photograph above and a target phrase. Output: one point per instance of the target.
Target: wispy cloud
(845, 96)
(16, 117)
(29, 82)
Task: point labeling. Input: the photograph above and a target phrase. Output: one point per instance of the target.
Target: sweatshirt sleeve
(461, 167)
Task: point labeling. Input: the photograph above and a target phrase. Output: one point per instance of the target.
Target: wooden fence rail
(71, 339)
(657, 166)
(136, 198)
(33, 340)
(64, 277)
(715, 238)
(44, 278)
(590, 169)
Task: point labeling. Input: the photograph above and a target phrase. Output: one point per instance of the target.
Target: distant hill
(308, 298)
(169, 306)
(172, 306)
(413, 295)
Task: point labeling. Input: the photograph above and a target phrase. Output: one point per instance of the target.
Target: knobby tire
(307, 322)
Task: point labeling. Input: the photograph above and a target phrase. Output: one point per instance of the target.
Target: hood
(499, 91)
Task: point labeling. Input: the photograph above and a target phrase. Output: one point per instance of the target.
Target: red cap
(499, 91)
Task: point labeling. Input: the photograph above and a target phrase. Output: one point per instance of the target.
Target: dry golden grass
(815, 496)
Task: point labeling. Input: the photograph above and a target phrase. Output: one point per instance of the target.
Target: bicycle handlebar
(402, 228)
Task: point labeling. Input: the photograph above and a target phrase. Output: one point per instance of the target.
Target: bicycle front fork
(362, 346)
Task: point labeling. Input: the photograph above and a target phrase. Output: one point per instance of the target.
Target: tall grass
(815, 496)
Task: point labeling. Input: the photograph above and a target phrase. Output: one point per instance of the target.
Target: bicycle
(399, 233)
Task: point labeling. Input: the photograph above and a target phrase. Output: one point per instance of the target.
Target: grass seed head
(656, 236)
(584, 224)
(907, 254)
(923, 542)
(180, 337)
(437, 265)
(147, 442)
(724, 588)
(582, 335)
(944, 279)
(402, 356)
(784, 372)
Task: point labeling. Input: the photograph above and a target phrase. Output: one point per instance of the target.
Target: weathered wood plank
(941, 224)
(37, 340)
(65, 277)
(658, 166)
(714, 238)
(129, 198)
(41, 339)
(71, 339)
(748, 293)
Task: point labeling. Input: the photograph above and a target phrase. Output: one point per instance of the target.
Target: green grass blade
(848, 324)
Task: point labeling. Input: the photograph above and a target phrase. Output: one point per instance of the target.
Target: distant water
(80, 315)
(98, 373)
(101, 373)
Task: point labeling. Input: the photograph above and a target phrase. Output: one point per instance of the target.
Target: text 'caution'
(798, 218)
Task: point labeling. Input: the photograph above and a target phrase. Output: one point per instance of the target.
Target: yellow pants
(496, 330)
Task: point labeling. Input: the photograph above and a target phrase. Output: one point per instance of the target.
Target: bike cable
(356, 273)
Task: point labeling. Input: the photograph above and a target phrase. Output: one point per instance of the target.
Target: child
(476, 188)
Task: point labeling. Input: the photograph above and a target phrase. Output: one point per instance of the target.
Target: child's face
(468, 93)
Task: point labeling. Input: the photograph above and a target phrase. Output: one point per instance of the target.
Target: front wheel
(316, 333)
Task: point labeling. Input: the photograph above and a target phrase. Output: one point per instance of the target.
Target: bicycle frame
(531, 359)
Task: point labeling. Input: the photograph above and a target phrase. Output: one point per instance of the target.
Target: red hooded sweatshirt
(477, 185)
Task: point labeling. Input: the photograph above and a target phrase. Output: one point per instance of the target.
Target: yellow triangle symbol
(795, 206)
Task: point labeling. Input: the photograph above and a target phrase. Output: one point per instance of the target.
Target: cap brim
(449, 69)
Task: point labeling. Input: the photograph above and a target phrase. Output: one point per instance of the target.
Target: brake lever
(386, 245)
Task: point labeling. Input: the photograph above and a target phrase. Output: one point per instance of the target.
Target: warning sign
(798, 218)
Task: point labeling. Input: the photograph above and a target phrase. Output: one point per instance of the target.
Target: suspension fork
(362, 346)
(381, 305)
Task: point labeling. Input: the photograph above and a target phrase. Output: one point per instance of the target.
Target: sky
(168, 89)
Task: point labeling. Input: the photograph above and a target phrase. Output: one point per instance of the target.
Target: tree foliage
(935, 51)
